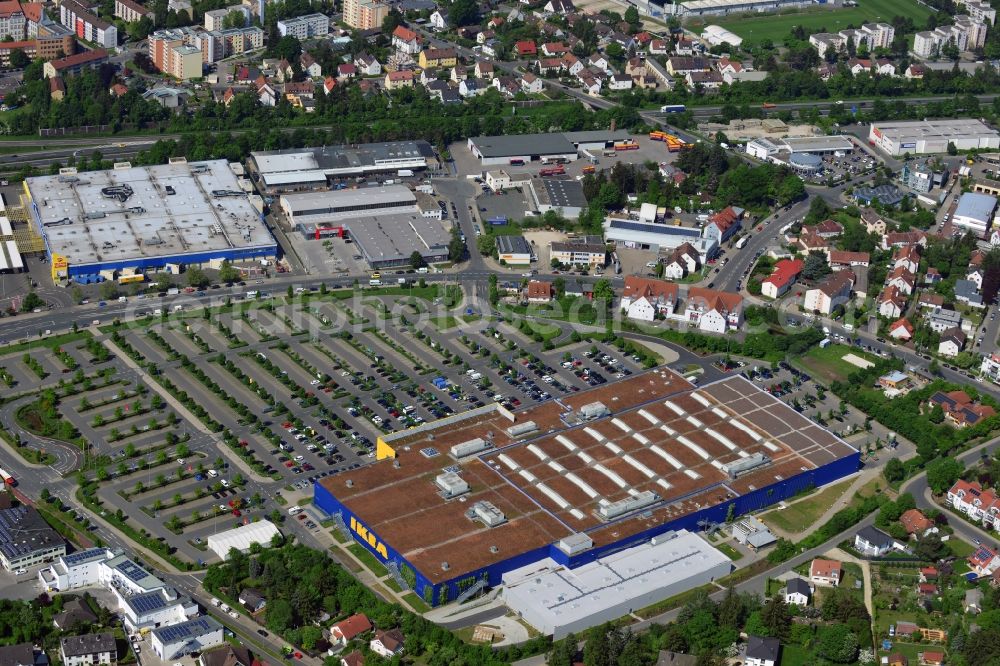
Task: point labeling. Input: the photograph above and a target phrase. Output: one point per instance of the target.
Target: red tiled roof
(845, 257)
(352, 626)
(79, 58)
(903, 323)
(722, 301)
(526, 47)
(785, 271)
(32, 11)
(539, 289)
(401, 75)
(354, 659)
(825, 568)
(638, 287)
(9, 8)
(404, 34)
(725, 218)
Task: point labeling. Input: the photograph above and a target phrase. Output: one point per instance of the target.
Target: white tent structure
(241, 538)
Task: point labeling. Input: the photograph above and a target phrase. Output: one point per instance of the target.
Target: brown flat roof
(663, 435)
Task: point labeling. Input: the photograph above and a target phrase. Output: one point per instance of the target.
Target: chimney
(350, 483)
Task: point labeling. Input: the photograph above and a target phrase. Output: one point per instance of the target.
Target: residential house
(932, 275)
(857, 66)
(682, 261)
(952, 342)
(600, 62)
(347, 630)
(941, 320)
(898, 238)
(549, 66)
(635, 67)
(809, 241)
(531, 84)
(387, 644)
(825, 572)
(507, 85)
(762, 651)
(437, 58)
(834, 291)
(901, 330)
(872, 542)
(797, 592)
(368, 65)
(782, 278)
(931, 658)
(915, 522)
(399, 79)
(266, 93)
(724, 224)
(589, 83)
(346, 71)
(483, 69)
(902, 279)
(406, 41)
(473, 87)
(930, 300)
(252, 599)
(680, 66)
(75, 611)
(658, 47)
(228, 655)
(874, 224)
(984, 561)
(310, 67)
(707, 80)
(644, 299)
(891, 302)
(88, 649)
(928, 574)
(969, 498)
(526, 49)
(329, 84)
(354, 658)
(896, 659)
(959, 408)
(554, 49)
(928, 590)
(841, 259)
(685, 46)
(713, 311)
(975, 274)
(885, 67)
(57, 89)
(539, 291)
(620, 82)
(438, 20)
(828, 229)
(572, 64)
(908, 257)
(966, 292)
(915, 71)
(560, 7)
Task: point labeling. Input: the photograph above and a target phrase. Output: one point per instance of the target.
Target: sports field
(777, 26)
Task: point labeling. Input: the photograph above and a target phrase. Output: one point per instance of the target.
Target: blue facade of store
(148, 263)
(753, 501)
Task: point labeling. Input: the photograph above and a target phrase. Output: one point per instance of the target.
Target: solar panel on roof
(146, 603)
(653, 228)
(132, 571)
(83, 556)
(183, 630)
(429, 452)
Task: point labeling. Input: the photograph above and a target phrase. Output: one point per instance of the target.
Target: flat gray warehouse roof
(279, 167)
(594, 136)
(976, 206)
(930, 129)
(335, 201)
(562, 193)
(394, 238)
(513, 245)
(136, 213)
(516, 145)
(818, 144)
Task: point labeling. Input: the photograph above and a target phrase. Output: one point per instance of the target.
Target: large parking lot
(255, 400)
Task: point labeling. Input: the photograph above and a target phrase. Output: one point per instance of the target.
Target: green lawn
(959, 548)
(416, 602)
(827, 364)
(777, 26)
(444, 323)
(730, 552)
(796, 655)
(802, 515)
(368, 559)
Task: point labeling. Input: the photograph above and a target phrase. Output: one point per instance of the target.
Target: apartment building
(304, 27)
(979, 11)
(74, 64)
(216, 18)
(978, 504)
(131, 11)
(365, 14)
(87, 26)
(13, 24)
(44, 48)
(177, 52)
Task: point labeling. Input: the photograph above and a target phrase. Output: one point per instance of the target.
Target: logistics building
(454, 505)
(975, 212)
(523, 148)
(385, 223)
(313, 168)
(932, 136)
(26, 539)
(131, 219)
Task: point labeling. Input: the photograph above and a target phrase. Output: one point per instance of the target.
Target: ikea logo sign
(369, 538)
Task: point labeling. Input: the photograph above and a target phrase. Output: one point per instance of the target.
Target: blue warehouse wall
(753, 501)
(159, 262)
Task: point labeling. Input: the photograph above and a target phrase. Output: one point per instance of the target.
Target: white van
(295, 510)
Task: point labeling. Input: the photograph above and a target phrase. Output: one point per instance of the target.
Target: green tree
(456, 246)
(417, 260)
(603, 291)
(776, 617)
(464, 12)
(894, 470)
(18, 59)
(942, 474)
(838, 644)
(196, 277)
(487, 245)
(815, 266)
(597, 650)
(234, 19)
(228, 273)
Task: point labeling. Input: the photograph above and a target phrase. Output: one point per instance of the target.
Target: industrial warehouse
(456, 504)
(314, 168)
(129, 219)
(918, 137)
(387, 224)
(523, 148)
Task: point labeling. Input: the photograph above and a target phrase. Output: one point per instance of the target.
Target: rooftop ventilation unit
(451, 484)
(471, 447)
(745, 465)
(120, 192)
(522, 429)
(594, 410)
(575, 543)
(487, 513)
(610, 510)
(59, 223)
